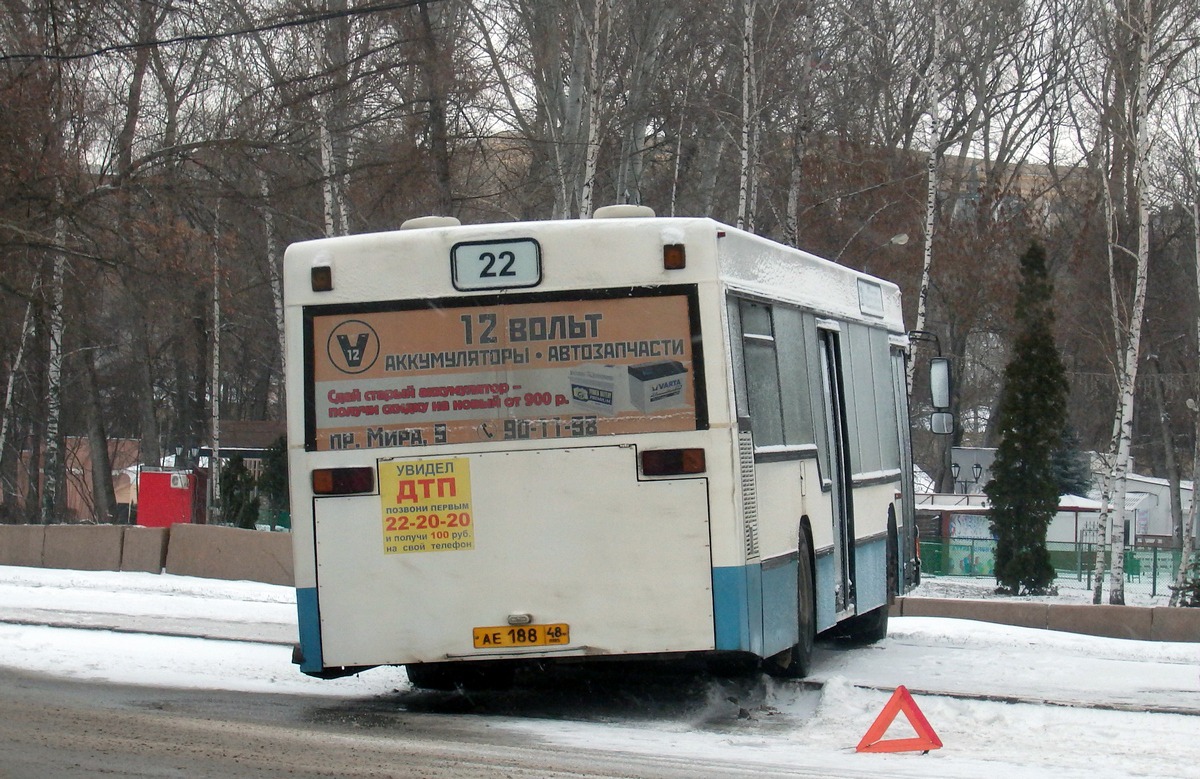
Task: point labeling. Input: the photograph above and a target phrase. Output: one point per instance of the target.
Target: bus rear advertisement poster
(538, 370)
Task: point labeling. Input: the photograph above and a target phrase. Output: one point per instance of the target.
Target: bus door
(906, 576)
(837, 463)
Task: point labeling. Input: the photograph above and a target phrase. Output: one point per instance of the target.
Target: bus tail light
(343, 481)
(672, 462)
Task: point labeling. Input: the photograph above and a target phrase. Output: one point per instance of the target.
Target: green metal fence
(1150, 570)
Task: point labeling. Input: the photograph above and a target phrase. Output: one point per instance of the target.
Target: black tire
(894, 577)
(866, 628)
(447, 677)
(796, 662)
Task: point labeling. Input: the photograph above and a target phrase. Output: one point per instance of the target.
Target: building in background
(79, 504)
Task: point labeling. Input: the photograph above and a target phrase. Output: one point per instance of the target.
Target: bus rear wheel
(796, 661)
(866, 628)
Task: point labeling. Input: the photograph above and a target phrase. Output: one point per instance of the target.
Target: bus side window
(795, 375)
(761, 373)
(861, 400)
(870, 400)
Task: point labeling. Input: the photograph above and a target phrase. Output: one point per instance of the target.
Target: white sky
(1077, 737)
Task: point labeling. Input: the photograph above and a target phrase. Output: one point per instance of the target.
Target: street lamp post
(899, 239)
(976, 471)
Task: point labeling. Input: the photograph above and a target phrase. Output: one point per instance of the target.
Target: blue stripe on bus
(737, 626)
(754, 608)
(826, 575)
(780, 611)
(870, 585)
(871, 571)
(309, 620)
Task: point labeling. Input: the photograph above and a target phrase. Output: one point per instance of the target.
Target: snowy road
(1020, 702)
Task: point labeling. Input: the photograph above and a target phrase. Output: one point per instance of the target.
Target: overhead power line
(299, 21)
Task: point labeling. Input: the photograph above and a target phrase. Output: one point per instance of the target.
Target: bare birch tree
(803, 123)
(932, 168)
(1188, 542)
(1181, 175)
(1141, 44)
(52, 447)
(749, 124)
(7, 412)
(648, 28)
(542, 61)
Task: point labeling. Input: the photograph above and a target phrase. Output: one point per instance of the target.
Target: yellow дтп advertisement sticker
(426, 505)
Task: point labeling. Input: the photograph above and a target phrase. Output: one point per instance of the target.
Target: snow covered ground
(1005, 701)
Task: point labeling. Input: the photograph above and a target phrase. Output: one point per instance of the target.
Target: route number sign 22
(496, 264)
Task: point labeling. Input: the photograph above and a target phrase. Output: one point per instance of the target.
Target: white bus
(625, 437)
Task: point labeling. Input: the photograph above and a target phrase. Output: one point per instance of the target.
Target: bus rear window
(503, 369)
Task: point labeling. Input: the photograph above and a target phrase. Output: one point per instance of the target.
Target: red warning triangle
(901, 700)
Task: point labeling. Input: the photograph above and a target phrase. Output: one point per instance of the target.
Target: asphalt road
(54, 728)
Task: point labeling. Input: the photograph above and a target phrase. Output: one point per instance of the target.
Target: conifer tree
(1072, 466)
(237, 488)
(1032, 416)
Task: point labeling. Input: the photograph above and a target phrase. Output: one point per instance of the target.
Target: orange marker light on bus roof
(322, 278)
(674, 256)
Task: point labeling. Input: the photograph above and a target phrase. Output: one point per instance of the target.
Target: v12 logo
(353, 346)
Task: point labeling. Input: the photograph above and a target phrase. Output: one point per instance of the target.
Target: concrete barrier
(1021, 613)
(144, 549)
(230, 553)
(83, 547)
(1167, 624)
(22, 545)
(1101, 620)
(1134, 622)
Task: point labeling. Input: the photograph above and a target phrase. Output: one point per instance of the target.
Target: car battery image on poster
(655, 386)
(593, 388)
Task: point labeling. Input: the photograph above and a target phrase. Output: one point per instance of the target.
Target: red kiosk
(168, 496)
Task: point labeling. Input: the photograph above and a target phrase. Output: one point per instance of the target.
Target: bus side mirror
(939, 382)
(942, 421)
